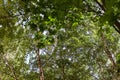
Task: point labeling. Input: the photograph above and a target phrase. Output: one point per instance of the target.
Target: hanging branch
(107, 51)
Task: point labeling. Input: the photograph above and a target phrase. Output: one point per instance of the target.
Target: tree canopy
(59, 40)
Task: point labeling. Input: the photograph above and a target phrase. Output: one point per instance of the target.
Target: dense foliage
(59, 39)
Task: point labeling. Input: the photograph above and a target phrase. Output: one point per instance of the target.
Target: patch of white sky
(38, 0)
(30, 58)
(45, 32)
(0, 26)
(62, 29)
(95, 75)
(33, 54)
(29, 55)
(5, 1)
(88, 32)
(108, 62)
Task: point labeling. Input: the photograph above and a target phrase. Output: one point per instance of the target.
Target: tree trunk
(41, 75)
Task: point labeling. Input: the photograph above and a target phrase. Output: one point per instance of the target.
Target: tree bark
(109, 54)
(63, 72)
(41, 75)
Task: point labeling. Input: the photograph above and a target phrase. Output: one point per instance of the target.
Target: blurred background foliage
(76, 39)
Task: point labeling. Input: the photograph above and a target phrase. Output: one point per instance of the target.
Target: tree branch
(10, 67)
(101, 6)
(39, 65)
(109, 54)
(116, 23)
(116, 29)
